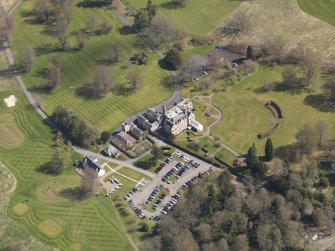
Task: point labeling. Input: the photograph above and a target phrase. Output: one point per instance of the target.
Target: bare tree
(321, 129)
(134, 78)
(89, 183)
(307, 138)
(191, 70)
(101, 83)
(27, 57)
(278, 168)
(238, 23)
(162, 31)
(54, 60)
(277, 46)
(106, 26)
(54, 76)
(90, 23)
(43, 10)
(116, 53)
(62, 31)
(329, 87)
(7, 27)
(15, 246)
(80, 40)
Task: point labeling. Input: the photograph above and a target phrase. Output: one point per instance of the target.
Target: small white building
(196, 126)
(94, 164)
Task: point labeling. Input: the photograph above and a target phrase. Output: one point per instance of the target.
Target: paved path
(118, 162)
(176, 93)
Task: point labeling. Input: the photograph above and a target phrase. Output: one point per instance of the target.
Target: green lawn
(78, 66)
(245, 114)
(133, 174)
(198, 17)
(92, 224)
(322, 9)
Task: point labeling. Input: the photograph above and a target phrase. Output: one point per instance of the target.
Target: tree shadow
(6, 73)
(46, 169)
(76, 193)
(94, 4)
(171, 5)
(46, 49)
(284, 87)
(127, 30)
(288, 152)
(320, 102)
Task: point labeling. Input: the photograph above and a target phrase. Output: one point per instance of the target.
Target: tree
(141, 19)
(74, 128)
(290, 78)
(307, 138)
(62, 31)
(252, 158)
(151, 10)
(140, 58)
(172, 59)
(268, 150)
(259, 170)
(156, 152)
(106, 26)
(278, 168)
(55, 61)
(43, 10)
(101, 83)
(80, 41)
(56, 165)
(161, 32)
(89, 183)
(27, 57)
(278, 46)
(237, 24)
(7, 26)
(54, 76)
(190, 70)
(134, 78)
(90, 23)
(250, 52)
(105, 136)
(145, 228)
(321, 130)
(14, 245)
(329, 87)
(116, 53)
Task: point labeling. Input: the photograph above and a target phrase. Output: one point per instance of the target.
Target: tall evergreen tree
(268, 150)
(252, 158)
(250, 52)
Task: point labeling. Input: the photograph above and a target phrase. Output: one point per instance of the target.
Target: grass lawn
(198, 17)
(133, 174)
(245, 114)
(47, 218)
(78, 66)
(322, 9)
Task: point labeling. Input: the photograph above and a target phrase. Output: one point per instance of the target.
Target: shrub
(145, 227)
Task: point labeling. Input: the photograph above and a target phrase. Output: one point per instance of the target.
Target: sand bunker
(10, 101)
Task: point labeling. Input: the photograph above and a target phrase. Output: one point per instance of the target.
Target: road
(175, 96)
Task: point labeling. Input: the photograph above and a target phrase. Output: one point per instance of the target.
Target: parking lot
(183, 170)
